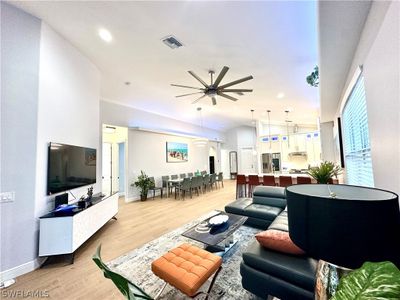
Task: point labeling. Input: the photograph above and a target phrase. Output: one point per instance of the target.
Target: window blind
(357, 149)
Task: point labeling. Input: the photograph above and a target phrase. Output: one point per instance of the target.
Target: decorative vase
(327, 279)
(143, 197)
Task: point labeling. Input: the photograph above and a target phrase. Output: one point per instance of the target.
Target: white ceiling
(276, 42)
(340, 27)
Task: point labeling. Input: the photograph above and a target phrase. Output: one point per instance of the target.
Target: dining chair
(254, 181)
(269, 180)
(190, 174)
(183, 175)
(241, 184)
(285, 181)
(213, 181)
(164, 180)
(183, 188)
(172, 185)
(196, 184)
(220, 178)
(206, 182)
(155, 188)
(303, 180)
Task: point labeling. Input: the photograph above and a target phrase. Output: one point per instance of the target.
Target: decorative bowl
(218, 220)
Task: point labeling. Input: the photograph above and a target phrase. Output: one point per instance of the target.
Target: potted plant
(143, 183)
(324, 172)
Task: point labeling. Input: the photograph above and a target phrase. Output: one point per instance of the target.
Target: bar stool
(269, 180)
(254, 180)
(240, 184)
(285, 181)
(303, 180)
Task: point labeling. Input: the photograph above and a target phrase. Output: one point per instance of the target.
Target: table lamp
(343, 226)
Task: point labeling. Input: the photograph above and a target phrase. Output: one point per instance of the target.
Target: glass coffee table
(217, 239)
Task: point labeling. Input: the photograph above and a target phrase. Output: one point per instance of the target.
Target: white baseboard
(21, 269)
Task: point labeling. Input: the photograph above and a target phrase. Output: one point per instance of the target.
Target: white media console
(64, 234)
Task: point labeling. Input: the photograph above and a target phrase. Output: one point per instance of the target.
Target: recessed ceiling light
(105, 35)
(280, 95)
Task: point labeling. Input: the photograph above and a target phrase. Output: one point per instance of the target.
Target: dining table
(173, 182)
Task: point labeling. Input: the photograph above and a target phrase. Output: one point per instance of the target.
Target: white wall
(50, 93)
(327, 141)
(69, 96)
(382, 84)
(243, 137)
(147, 152)
(20, 46)
(378, 51)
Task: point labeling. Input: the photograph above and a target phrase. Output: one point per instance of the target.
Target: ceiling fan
(214, 89)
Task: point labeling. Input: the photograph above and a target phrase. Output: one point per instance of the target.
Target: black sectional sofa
(267, 272)
(267, 203)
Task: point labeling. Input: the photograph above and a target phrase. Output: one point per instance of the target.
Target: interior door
(212, 165)
(107, 168)
(121, 170)
(247, 163)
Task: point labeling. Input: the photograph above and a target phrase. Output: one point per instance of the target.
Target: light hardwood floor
(138, 223)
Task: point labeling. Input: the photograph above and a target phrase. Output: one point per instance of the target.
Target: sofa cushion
(262, 211)
(270, 195)
(238, 206)
(279, 241)
(297, 270)
(281, 222)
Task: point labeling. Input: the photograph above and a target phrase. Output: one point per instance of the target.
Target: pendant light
(287, 127)
(200, 142)
(253, 122)
(269, 131)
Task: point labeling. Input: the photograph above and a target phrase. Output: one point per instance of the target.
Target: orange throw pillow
(279, 241)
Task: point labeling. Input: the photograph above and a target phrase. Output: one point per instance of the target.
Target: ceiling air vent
(172, 42)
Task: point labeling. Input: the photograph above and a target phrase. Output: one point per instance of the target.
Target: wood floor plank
(138, 223)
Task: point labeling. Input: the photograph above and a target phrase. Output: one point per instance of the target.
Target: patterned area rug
(136, 265)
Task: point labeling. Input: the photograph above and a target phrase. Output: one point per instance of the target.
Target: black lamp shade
(360, 224)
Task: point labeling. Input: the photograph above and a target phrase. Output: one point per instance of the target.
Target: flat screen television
(70, 167)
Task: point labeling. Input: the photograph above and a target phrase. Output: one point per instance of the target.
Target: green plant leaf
(372, 281)
(127, 288)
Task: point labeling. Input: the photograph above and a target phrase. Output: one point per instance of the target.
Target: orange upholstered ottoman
(187, 268)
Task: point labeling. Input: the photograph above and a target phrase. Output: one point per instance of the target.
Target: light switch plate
(7, 197)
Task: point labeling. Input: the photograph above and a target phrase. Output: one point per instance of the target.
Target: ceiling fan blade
(214, 101)
(198, 78)
(188, 94)
(221, 75)
(236, 82)
(198, 99)
(236, 90)
(188, 87)
(227, 96)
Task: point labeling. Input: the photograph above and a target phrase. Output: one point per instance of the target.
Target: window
(357, 149)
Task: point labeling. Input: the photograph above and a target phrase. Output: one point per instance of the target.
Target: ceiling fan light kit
(214, 89)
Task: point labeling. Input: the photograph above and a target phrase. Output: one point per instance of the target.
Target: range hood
(298, 153)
